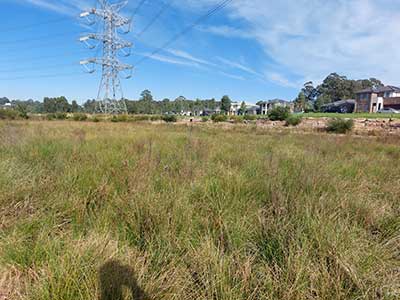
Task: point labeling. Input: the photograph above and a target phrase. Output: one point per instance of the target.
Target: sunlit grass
(196, 213)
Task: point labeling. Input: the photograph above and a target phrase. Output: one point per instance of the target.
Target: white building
(6, 106)
(265, 106)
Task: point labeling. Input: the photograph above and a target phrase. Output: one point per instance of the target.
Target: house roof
(275, 101)
(380, 89)
(339, 103)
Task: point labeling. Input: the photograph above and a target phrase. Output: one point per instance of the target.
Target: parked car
(388, 111)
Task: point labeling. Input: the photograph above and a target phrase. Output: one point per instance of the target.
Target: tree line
(335, 87)
(145, 105)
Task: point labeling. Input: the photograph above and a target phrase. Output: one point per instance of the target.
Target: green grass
(351, 116)
(196, 213)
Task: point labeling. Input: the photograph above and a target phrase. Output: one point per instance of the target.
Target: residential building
(342, 106)
(6, 106)
(236, 109)
(373, 99)
(265, 106)
(209, 112)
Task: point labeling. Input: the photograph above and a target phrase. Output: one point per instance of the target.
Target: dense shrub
(8, 114)
(169, 118)
(205, 119)
(56, 116)
(250, 117)
(219, 118)
(293, 120)
(236, 119)
(95, 119)
(338, 125)
(279, 113)
(154, 118)
(139, 118)
(79, 117)
(119, 118)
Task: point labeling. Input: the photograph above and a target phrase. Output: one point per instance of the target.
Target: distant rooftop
(276, 101)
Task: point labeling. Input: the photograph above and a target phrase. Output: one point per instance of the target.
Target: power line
(40, 68)
(155, 18)
(32, 25)
(211, 12)
(136, 10)
(22, 58)
(45, 37)
(43, 76)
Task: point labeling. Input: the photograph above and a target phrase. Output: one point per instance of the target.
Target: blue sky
(251, 50)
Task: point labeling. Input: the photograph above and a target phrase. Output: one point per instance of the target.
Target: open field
(180, 212)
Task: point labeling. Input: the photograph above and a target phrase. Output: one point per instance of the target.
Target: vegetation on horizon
(196, 213)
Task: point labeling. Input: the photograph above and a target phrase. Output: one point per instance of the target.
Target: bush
(154, 118)
(293, 120)
(8, 114)
(279, 113)
(236, 119)
(79, 117)
(169, 118)
(338, 125)
(219, 118)
(56, 116)
(119, 118)
(205, 119)
(250, 117)
(95, 119)
(139, 118)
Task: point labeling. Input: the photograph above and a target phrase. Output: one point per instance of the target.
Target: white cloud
(312, 38)
(226, 31)
(170, 60)
(190, 57)
(239, 66)
(281, 80)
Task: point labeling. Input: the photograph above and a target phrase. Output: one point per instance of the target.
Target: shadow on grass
(113, 276)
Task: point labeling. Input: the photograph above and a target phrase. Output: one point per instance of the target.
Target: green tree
(300, 102)
(146, 99)
(225, 104)
(242, 110)
(75, 107)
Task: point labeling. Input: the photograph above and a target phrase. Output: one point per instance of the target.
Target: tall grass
(182, 212)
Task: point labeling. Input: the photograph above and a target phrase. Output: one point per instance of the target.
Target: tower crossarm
(116, 42)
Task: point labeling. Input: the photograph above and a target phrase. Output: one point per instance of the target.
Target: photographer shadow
(113, 276)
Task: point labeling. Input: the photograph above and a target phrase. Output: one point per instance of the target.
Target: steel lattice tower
(110, 96)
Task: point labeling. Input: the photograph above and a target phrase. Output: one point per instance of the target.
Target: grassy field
(89, 210)
(352, 116)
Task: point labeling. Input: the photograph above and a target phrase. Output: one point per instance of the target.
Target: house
(252, 109)
(373, 99)
(265, 106)
(236, 109)
(6, 106)
(209, 112)
(342, 106)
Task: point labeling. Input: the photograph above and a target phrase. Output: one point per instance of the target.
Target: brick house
(371, 100)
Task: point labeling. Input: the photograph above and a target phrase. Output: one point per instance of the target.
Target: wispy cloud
(310, 39)
(169, 59)
(226, 31)
(190, 57)
(281, 80)
(71, 7)
(239, 66)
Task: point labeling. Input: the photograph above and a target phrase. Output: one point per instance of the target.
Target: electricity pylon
(110, 96)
